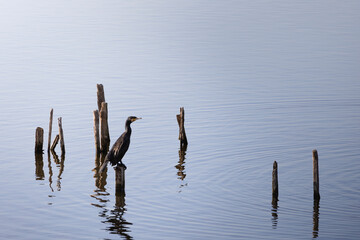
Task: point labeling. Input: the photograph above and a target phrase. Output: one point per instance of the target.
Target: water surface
(259, 81)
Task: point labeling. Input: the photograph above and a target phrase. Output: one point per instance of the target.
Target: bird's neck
(127, 127)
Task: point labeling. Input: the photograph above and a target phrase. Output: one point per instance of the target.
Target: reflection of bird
(120, 147)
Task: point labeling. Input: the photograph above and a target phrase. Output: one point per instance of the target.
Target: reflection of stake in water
(39, 166)
(181, 165)
(60, 165)
(113, 218)
(274, 214)
(316, 218)
(118, 225)
(100, 178)
(50, 172)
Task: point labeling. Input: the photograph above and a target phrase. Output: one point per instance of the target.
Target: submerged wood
(316, 175)
(50, 129)
(39, 140)
(100, 95)
(275, 187)
(55, 142)
(96, 131)
(105, 136)
(61, 136)
(182, 135)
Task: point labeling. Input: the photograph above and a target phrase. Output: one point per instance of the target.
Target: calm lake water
(259, 80)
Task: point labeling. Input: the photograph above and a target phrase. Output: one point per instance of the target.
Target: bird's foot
(121, 165)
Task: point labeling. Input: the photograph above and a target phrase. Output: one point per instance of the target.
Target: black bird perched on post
(120, 147)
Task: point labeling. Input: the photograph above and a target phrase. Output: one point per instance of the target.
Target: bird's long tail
(104, 165)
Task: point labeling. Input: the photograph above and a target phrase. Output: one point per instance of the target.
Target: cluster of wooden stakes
(39, 137)
(102, 136)
(275, 185)
(102, 143)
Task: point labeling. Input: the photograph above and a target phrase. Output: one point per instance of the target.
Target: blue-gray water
(260, 81)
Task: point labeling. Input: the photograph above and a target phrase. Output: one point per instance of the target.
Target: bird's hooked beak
(134, 119)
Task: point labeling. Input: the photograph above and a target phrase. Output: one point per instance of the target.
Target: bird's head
(133, 119)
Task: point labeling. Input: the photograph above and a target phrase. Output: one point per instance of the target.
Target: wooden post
(50, 129)
(105, 136)
(100, 95)
(316, 175)
(96, 131)
(120, 179)
(61, 136)
(182, 135)
(55, 142)
(39, 139)
(275, 187)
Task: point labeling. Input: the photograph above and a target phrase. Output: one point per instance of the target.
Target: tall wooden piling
(100, 95)
(182, 135)
(316, 175)
(105, 136)
(50, 129)
(61, 136)
(96, 131)
(275, 186)
(120, 179)
(39, 140)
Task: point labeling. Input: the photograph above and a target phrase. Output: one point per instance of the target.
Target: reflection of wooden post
(105, 136)
(56, 157)
(180, 166)
(100, 95)
(50, 172)
(316, 218)
(120, 179)
(275, 187)
(96, 131)
(39, 166)
(100, 178)
(39, 139)
(316, 175)
(182, 135)
(50, 129)
(274, 214)
(55, 142)
(61, 136)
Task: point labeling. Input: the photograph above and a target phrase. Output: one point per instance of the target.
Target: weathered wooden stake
(275, 187)
(182, 135)
(61, 136)
(100, 95)
(50, 129)
(39, 139)
(316, 175)
(55, 142)
(120, 179)
(105, 136)
(96, 131)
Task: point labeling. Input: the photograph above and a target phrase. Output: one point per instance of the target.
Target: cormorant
(120, 147)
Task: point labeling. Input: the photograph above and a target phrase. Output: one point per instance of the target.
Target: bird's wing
(116, 149)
